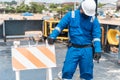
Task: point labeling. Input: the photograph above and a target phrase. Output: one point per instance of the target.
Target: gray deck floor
(105, 70)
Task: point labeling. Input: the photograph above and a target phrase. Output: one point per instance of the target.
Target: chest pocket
(87, 26)
(74, 27)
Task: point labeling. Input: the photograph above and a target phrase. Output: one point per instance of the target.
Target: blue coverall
(82, 31)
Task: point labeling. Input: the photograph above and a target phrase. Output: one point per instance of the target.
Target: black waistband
(80, 46)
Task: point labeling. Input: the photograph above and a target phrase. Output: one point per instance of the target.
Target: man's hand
(50, 41)
(97, 56)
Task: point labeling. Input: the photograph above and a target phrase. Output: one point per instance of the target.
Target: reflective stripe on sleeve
(96, 39)
(58, 29)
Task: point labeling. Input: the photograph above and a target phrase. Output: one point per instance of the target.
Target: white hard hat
(89, 7)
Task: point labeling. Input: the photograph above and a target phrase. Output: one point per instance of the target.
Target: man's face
(83, 14)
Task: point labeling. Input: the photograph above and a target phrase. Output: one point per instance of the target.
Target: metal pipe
(119, 49)
(96, 1)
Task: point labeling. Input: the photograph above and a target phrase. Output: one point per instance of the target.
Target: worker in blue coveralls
(84, 33)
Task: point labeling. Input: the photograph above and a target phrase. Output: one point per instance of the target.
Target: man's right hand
(50, 41)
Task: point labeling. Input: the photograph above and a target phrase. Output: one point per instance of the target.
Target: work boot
(60, 75)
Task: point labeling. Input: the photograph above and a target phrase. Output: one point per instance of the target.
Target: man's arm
(96, 35)
(64, 22)
(61, 25)
(96, 40)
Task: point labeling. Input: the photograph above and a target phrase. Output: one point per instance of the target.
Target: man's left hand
(97, 56)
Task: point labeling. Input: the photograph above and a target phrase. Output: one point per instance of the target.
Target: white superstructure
(27, 2)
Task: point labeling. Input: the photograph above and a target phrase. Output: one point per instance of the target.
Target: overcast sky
(103, 1)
